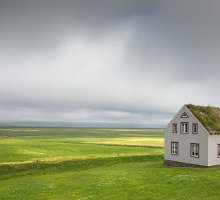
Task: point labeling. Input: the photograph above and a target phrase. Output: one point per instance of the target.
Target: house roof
(209, 116)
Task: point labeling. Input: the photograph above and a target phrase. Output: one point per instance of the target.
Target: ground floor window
(174, 148)
(194, 150)
(218, 150)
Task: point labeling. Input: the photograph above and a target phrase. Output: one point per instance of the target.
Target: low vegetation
(209, 116)
(80, 163)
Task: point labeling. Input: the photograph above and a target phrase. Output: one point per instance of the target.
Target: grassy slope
(91, 171)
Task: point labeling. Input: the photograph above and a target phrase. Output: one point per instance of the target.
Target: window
(174, 148)
(194, 152)
(195, 128)
(218, 150)
(184, 128)
(184, 115)
(174, 128)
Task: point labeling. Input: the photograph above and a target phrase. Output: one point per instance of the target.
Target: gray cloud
(41, 25)
(107, 61)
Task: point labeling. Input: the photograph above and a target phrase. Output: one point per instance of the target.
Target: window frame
(177, 147)
(218, 150)
(184, 115)
(191, 150)
(176, 127)
(187, 127)
(193, 125)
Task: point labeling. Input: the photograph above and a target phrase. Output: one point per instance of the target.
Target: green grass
(209, 116)
(68, 163)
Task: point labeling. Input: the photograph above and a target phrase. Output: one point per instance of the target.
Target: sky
(119, 62)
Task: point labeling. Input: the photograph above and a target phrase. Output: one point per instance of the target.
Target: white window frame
(218, 150)
(194, 128)
(194, 150)
(184, 127)
(174, 148)
(184, 115)
(174, 128)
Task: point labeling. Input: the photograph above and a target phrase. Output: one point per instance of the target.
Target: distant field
(30, 145)
(83, 163)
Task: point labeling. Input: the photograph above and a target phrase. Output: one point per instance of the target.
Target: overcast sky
(107, 61)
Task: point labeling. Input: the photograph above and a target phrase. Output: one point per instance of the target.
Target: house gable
(184, 115)
(187, 140)
(193, 136)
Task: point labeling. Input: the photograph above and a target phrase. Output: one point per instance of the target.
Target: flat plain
(96, 163)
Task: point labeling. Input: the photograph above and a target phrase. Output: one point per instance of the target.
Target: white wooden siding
(186, 139)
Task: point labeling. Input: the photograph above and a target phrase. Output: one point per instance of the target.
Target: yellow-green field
(83, 163)
(31, 145)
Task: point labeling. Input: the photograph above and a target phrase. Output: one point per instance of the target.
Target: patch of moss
(209, 116)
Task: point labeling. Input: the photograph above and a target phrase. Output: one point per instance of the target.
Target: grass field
(82, 163)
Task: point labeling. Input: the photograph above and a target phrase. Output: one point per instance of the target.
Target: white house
(192, 138)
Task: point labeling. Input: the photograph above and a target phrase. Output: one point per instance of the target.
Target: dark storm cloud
(187, 31)
(124, 60)
(40, 25)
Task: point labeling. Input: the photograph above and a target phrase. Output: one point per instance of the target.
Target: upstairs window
(174, 128)
(218, 150)
(174, 148)
(184, 115)
(184, 127)
(195, 128)
(194, 150)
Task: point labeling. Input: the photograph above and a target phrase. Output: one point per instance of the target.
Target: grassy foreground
(80, 163)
